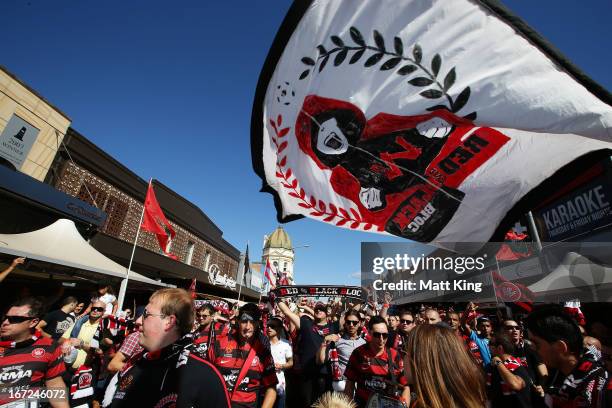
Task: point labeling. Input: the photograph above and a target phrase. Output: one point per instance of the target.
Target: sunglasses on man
(512, 327)
(352, 322)
(16, 319)
(405, 321)
(98, 309)
(379, 335)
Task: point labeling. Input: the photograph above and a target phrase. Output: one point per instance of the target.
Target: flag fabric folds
(431, 120)
(155, 221)
(511, 292)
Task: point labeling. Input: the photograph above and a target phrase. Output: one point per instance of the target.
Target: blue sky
(167, 89)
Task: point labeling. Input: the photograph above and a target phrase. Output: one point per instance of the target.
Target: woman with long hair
(441, 371)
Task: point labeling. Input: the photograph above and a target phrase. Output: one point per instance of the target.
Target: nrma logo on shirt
(375, 383)
(230, 379)
(13, 374)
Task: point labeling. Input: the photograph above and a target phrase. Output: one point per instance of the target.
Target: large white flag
(429, 120)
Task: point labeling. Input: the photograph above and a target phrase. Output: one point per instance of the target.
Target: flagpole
(124, 282)
(261, 293)
(246, 258)
(493, 281)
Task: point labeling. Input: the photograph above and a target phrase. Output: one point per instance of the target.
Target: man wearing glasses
(344, 346)
(207, 330)
(167, 373)
(529, 359)
(398, 337)
(82, 334)
(376, 369)
(28, 360)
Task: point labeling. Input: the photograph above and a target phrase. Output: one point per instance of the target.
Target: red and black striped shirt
(229, 356)
(29, 365)
(371, 372)
(203, 338)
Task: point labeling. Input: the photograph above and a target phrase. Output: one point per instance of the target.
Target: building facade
(279, 250)
(91, 175)
(31, 129)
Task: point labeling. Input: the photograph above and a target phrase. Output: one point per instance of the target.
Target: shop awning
(61, 243)
(576, 276)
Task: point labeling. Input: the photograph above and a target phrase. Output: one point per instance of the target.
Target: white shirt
(281, 352)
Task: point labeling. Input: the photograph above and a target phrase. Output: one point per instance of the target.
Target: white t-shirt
(281, 352)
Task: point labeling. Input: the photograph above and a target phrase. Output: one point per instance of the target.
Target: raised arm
(295, 319)
(13, 265)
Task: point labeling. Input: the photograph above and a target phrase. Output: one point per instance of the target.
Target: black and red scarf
(587, 382)
(4, 344)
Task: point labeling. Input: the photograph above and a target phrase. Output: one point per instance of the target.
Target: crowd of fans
(299, 353)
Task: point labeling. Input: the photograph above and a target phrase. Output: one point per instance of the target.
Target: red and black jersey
(371, 372)
(29, 364)
(473, 349)
(500, 393)
(229, 359)
(204, 338)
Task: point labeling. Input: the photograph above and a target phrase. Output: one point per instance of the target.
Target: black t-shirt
(500, 393)
(174, 377)
(311, 337)
(529, 359)
(57, 323)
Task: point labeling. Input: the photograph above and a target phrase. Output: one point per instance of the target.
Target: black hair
(36, 306)
(376, 320)
(275, 323)
(503, 339)
(251, 309)
(405, 312)
(551, 323)
(209, 307)
(69, 300)
(352, 312)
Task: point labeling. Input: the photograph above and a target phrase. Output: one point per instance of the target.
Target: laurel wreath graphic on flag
(318, 208)
(397, 56)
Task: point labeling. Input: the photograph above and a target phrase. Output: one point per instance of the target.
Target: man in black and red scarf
(375, 368)
(538, 373)
(167, 374)
(315, 380)
(397, 338)
(558, 341)
(27, 360)
(244, 359)
(508, 383)
(208, 329)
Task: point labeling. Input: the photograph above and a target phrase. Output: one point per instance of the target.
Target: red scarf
(13, 344)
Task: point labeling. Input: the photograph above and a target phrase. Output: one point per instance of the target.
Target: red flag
(192, 288)
(508, 291)
(156, 222)
(270, 274)
(515, 247)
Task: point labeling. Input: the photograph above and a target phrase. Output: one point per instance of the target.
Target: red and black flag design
(369, 116)
(511, 292)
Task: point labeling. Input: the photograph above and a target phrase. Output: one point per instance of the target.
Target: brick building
(84, 171)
